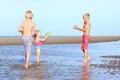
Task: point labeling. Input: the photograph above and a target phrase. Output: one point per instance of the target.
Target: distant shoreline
(60, 40)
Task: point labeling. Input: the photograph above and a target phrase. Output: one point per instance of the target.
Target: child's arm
(43, 39)
(20, 29)
(34, 28)
(81, 29)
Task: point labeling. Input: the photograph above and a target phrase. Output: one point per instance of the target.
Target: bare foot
(89, 58)
(37, 61)
(85, 60)
(27, 65)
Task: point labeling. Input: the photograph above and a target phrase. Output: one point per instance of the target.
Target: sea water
(62, 62)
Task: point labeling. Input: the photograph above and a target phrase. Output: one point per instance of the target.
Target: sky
(59, 16)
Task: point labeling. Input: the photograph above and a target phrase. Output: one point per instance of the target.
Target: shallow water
(62, 62)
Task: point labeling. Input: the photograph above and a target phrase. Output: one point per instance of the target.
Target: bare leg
(87, 56)
(27, 56)
(38, 55)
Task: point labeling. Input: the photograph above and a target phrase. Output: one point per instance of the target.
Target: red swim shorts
(85, 41)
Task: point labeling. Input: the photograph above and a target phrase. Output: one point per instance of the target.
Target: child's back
(28, 26)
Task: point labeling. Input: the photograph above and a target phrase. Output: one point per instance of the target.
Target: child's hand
(75, 27)
(20, 29)
(46, 36)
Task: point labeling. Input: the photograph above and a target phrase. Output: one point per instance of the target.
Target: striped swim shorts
(27, 42)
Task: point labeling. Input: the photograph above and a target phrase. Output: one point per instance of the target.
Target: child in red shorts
(86, 36)
(85, 41)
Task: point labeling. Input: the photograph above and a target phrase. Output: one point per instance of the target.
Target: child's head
(37, 33)
(86, 16)
(29, 15)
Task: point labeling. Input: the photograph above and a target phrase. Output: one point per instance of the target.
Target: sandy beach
(61, 40)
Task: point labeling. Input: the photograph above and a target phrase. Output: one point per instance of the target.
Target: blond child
(38, 43)
(26, 28)
(86, 35)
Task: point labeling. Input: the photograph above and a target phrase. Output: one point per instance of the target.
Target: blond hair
(35, 35)
(87, 14)
(29, 15)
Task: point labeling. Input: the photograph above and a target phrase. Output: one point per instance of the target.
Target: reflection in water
(86, 71)
(28, 75)
(33, 73)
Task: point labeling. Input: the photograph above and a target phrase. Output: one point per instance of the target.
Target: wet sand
(62, 62)
(61, 40)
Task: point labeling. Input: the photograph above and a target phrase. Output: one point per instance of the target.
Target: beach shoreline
(61, 40)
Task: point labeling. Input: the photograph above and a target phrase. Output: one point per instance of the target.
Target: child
(38, 42)
(26, 28)
(86, 35)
